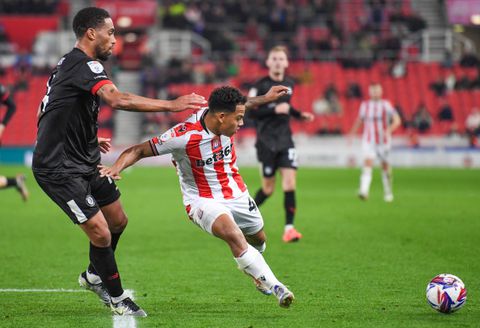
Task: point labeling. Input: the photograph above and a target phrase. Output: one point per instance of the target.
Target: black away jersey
(67, 126)
(273, 130)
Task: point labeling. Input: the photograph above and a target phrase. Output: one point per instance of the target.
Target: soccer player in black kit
(67, 152)
(19, 181)
(275, 148)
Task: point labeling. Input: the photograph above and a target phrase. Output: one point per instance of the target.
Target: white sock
(119, 298)
(365, 180)
(260, 248)
(93, 278)
(387, 182)
(253, 263)
(288, 227)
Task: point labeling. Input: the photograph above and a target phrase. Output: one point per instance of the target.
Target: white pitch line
(38, 290)
(118, 320)
(127, 321)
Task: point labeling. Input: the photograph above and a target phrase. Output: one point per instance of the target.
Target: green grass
(360, 264)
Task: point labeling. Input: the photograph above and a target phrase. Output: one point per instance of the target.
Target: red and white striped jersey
(376, 116)
(206, 163)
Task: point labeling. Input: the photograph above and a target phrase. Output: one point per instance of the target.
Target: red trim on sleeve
(99, 84)
(5, 96)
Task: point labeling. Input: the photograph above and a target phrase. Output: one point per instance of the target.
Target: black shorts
(79, 196)
(271, 161)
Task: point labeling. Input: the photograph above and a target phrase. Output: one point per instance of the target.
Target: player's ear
(91, 34)
(221, 116)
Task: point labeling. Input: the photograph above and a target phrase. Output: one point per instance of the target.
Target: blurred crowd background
(424, 54)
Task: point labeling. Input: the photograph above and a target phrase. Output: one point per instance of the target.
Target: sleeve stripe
(100, 84)
(152, 145)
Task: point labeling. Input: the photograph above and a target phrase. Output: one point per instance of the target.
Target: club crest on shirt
(216, 143)
(95, 66)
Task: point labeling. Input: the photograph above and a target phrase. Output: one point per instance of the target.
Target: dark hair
(225, 99)
(90, 17)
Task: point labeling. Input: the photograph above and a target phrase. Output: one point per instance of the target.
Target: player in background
(67, 152)
(275, 148)
(19, 181)
(214, 194)
(379, 120)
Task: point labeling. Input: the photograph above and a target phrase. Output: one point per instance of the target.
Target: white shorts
(243, 210)
(372, 151)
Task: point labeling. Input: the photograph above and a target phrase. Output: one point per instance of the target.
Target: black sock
(11, 182)
(114, 242)
(260, 197)
(290, 206)
(103, 259)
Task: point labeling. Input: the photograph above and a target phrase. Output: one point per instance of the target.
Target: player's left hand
(104, 144)
(276, 92)
(306, 116)
(110, 172)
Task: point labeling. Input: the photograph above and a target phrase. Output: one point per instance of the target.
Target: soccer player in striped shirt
(379, 120)
(214, 194)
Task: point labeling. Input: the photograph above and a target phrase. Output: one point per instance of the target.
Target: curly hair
(225, 99)
(90, 17)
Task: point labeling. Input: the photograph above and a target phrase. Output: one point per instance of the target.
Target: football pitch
(360, 264)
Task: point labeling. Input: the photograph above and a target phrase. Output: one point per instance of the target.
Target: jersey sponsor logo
(95, 66)
(217, 156)
(166, 136)
(90, 201)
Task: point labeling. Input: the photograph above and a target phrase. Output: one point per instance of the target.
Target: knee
(234, 235)
(119, 224)
(268, 190)
(101, 236)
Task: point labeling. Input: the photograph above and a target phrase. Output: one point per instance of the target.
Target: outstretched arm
(131, 102)
(273, 94)
(395, 123)
(129, 157)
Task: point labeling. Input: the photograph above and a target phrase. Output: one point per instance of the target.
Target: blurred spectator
(399, 69)
(447, 61)
(354, 91)
(469, 59)
(445, 113)
(320, 106)
(422, 120)
(331, 95)
(439, 87)
(463, 83)
(450, 81)
(472, 126)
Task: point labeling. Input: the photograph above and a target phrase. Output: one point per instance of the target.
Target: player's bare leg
(365, 179)
(267, 189)
(249, 259)
(289, 184)
(18, 182)
(387, 182)
(103, 260)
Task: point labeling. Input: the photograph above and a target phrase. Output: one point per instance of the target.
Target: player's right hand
(276, 92)
(110, 172)
(191, 101)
